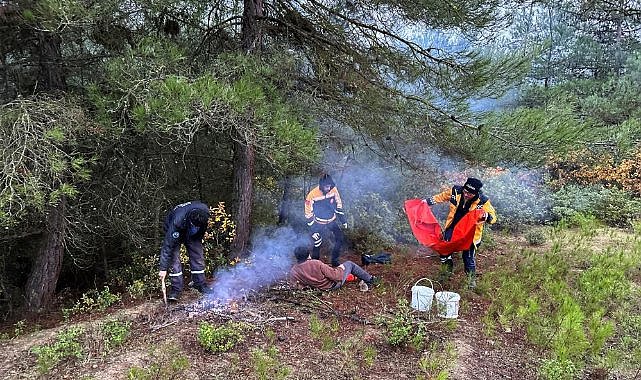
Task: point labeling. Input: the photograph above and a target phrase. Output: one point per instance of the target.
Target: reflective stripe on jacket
(454, 196)
(323, 208)
(177, 231)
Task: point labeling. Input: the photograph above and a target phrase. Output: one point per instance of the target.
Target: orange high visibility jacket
(427, 229)
(323, 208)
(455, 196)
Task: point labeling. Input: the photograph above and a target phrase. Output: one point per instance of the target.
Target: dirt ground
(352, 343)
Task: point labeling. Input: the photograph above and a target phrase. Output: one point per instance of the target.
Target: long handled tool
(164, 290)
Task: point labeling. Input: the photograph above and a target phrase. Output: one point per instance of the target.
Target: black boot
(173, 295)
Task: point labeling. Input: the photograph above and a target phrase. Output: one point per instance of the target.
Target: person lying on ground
(313, 273)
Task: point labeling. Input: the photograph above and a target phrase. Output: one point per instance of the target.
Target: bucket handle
(425, 278)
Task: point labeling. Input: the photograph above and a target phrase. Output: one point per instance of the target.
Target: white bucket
(447, 304)
(422, 296)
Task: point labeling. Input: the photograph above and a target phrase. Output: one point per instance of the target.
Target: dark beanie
(326, 179)
(473, 185)
(301, 254)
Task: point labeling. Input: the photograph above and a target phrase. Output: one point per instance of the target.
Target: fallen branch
(156, 328)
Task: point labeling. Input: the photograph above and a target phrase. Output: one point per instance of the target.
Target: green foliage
(435, 361)
(369, 355)
(605, 281)
(614, 207)
(554, 369)
(178, 105)
(115, 333)
(570, 300)
(324, 331)
(67, 345)
(402, 329)
(518, 195)
(139, 276)
(377, 223)
(267, 366)
(532, 134)
(535, 237)
(41, 155)
(220, 338)
(91, 301)
(168, 362)
(218, 237)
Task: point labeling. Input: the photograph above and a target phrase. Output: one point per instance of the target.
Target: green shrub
(66, 346)
(325, 332)
(401, 329)
(222, 338)
(558, 370)
(535, 237)
(616, 208)
(168, 362)
(137, 289)
(519, 197)
(267, 366)
(91, 301)
(115, 333)
(139, 276)
(375, 223)
(612, 206)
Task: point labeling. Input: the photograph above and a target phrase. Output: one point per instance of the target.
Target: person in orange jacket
(323, 209)
(463, 199)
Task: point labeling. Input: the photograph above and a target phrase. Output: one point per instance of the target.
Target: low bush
(115, 333)
(67, 345)
(220, 338)
(168, 362)
(612, 206)
(91, 301)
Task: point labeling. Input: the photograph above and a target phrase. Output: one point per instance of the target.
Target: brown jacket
(316, 274)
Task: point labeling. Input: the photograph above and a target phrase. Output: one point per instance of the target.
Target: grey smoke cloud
(270, 260)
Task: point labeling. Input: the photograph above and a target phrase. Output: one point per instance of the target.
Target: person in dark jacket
(313, 273)
(462, 199)
(323, 208)
(185, 224)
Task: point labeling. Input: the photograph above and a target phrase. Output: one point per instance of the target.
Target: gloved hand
(316, 236)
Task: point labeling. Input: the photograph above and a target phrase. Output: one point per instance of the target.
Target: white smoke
(271, 258)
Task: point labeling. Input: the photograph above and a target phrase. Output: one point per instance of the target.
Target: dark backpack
(379, 258)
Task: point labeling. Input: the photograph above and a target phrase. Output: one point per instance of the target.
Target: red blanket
(427, 230)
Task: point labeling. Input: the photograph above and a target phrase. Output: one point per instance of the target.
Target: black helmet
(326, 179)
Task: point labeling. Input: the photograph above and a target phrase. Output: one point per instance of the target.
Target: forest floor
(296, 334)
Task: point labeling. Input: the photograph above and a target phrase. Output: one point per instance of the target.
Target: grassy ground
(552, 303)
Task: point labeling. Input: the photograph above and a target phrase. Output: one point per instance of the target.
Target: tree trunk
(42, 281)
(45, 271)
(251, 34)
(244, 195)
(51, 74)
(243, 147)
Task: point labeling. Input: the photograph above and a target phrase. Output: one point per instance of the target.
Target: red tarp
(427, 230)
